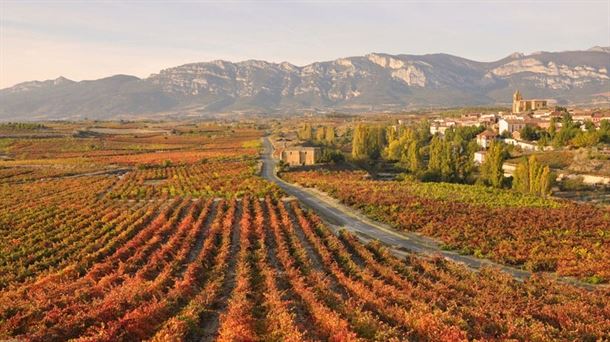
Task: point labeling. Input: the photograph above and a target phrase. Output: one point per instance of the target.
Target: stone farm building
(300, 155)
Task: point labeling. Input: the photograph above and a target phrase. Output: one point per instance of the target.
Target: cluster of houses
(506, 126)
(535, 113)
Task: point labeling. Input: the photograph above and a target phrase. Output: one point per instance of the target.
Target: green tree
(532, 177)
(545, 181)
(413, 158)
(529, 132)
(587, 139)
(359, 138)
(521, 177)
(552, 127)
(436, 154)
(422, 132)
(491, 169)
(376, 141)
(391, 134)
(604, 131)
(589, 126)
(320, 134)
(329, 135)
(305, 133)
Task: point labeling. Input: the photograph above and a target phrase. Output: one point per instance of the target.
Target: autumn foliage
(538, 234)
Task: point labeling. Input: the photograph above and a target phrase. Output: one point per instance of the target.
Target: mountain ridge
(376, 81)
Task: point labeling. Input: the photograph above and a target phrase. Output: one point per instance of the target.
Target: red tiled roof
(489, 134)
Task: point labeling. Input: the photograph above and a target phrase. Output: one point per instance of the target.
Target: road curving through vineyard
(340, 216)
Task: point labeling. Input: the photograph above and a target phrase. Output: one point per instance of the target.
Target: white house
(523, 144)
(510, 125)
(479, 157)
(441, 128)
(485, 138)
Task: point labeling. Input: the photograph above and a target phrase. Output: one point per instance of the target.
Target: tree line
(324, 135)
(433, 158)
(447, 158)
(565, 131)
(22, 125)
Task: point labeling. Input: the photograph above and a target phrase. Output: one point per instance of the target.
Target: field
(175, 237)
(538, 234)
(267, 270)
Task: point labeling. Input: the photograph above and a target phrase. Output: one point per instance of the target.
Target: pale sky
(92, 39)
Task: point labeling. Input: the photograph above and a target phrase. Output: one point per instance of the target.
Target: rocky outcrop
(376, 81)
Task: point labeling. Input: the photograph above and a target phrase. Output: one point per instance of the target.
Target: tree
(329, 135)
(532, 177)
(604, 131)
(305, 133)
(331, 156)
(436, 154)
(553, 127)
(529, 132)
(391, 134)
(491, 169)
(394, 150)
(587, 139)
(397, 146)
(521, 177)
(545, 182)
(589, 126)
(320, 134)
(359, 142)
(567, 131)
(376, 141)
(413, 158)
(422, 132)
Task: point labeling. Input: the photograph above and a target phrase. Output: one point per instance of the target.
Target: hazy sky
(92, 39)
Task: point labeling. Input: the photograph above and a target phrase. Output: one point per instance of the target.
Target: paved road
(400, 242)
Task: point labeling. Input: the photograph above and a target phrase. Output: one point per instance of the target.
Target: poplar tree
(391, 134)
(413, 158)
(521, 177)
(359, 141)
(305, 133)
(329, 135)
(491, 168)
(436, 151)
(531, 177)
(320, 134)
(545, 181)
(376, 141)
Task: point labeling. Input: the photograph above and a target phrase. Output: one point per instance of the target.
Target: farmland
(154, 236)
(515, 229)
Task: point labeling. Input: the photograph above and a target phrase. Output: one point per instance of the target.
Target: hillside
(363, 83)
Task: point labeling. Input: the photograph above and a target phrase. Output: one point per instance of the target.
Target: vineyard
(538, 234)
(175, 237)
(223, 178)
(265, 269)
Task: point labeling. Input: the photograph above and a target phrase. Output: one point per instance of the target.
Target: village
(567, 140)
(508, 126)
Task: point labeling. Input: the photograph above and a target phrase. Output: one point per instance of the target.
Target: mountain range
(374, 82)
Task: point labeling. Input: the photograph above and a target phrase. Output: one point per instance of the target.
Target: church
(520, 105)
